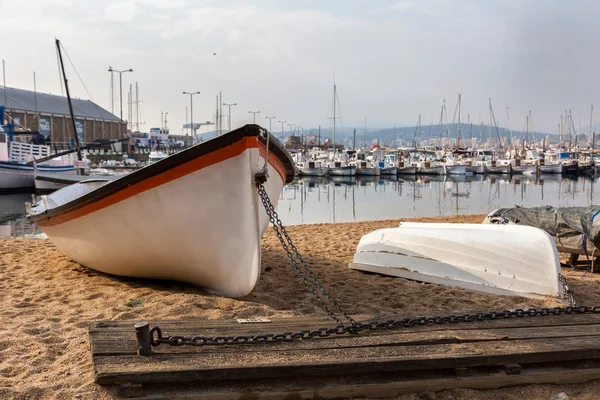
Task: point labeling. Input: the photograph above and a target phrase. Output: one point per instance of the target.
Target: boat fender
(45, 200)
(28, 207)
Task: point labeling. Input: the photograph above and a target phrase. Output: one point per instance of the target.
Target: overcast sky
(392, 60)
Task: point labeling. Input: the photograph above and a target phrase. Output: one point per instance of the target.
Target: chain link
(319, 292)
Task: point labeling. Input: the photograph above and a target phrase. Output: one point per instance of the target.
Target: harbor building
(48, 114)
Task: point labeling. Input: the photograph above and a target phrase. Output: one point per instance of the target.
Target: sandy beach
(48, 302)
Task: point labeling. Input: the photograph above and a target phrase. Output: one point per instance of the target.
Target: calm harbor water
(316, 200)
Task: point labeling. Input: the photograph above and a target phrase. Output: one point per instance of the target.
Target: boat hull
(15, 176)
(497, 259)
(375, 171)
(437, 170)
(407, 170)
(476, 169)
(312, 171)
(456, 169)
(48, 182)
(165, 226)
(551, 168)
(498, 169)
(348, 170)
(524, 169)
(388, 171)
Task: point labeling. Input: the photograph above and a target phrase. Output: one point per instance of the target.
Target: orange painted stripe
(191, 166)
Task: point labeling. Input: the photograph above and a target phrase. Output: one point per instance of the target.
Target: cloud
(121, 11)
(393, 60)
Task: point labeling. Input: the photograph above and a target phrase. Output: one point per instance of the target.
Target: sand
(48, 302)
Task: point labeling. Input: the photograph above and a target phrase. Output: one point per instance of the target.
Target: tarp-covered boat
(575, 230)
(195, 216)
(504, 259)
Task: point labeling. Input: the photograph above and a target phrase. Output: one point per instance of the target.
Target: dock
(480, 355)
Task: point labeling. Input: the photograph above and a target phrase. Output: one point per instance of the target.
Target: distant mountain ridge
(406, 134)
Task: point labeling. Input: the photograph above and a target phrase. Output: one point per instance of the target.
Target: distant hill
(404, 136)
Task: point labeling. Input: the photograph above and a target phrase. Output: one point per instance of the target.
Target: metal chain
(567, 293)
(156, 337)
(295, 257)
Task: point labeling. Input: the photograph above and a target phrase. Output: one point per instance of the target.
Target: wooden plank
(122, 343)
(286, 363)
(220, 326)
(393, 389)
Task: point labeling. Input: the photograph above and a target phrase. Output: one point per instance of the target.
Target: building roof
(26, 100)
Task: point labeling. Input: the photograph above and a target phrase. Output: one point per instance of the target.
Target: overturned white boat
(195, 216)
(502, 259)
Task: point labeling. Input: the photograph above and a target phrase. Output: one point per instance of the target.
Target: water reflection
(345, 199)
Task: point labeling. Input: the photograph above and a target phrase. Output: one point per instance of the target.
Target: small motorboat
(456, 169)
(387, 169)
(495, 168)
(156, 155)
(195, 216)
(341, 168)
(431, 168)
(502, 259)
(367, 168)
(525, 169)
(312, 168)
(551, 168)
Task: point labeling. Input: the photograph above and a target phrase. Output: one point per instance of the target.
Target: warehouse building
(49, 115)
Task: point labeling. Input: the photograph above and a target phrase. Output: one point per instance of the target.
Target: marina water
(310, 200)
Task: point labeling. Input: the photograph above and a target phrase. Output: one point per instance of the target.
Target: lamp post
(270, 120)
(110, 69)
(282, 122)
(254, 115)
(291, 126)
(229, 116)
(192, 113)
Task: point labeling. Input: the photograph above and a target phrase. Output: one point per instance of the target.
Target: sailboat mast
(441, 121)
(418, 129)
(458, 131)
(490, 136)
(62, 67)
(470, 130)
(137, 108)
(591, 135)
(334, 96)
(578, 132)
(526, 136)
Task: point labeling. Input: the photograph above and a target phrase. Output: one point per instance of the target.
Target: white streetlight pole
(270, 121)
(254, 115)
(282, 122)
(229, 116)
(110, 69)
(192, 113)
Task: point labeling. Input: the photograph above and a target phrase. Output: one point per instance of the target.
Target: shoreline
(50, 301)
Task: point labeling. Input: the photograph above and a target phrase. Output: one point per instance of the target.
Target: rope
(73, 65)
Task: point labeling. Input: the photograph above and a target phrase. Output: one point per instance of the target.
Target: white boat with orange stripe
(195, 216)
